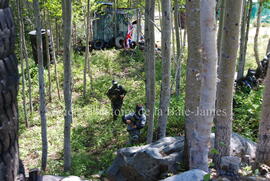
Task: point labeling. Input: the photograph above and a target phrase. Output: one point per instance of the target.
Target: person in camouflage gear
(116, 94)
(135, 122)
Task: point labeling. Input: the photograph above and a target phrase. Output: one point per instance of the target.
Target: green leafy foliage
(207, 177)
(214, 151)
(247, 108)
(95, 136)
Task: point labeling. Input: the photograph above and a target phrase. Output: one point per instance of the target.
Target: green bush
(246, 111)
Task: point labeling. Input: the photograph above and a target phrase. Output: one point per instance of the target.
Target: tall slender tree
(22, 63)
(138, 24)
(49, 92)
(193, 82)
(221, 25)
(259, 16)
(268, 47)
(185, 35)
(86, 61)
(173, 43)
(165, 92)
(159, 12)
(241, 61)
(57, 32)
(178, 48)
(244, 40)
(54, 59)
(67, 20)
(74, 33)
(150, 66)
(25, 54)
(228, 55)
(263, 147)
(89, 68)
(200, 142)
(115, 17)
(42, 105)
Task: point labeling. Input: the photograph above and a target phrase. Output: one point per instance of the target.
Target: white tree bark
(55, 60)
(57, 32)
(165, 92)
(159, 13)
(150, 66)
(200, 143)
(86, 61)
(268, 47)
(67, 20)
(226, 72)
(25, 54)
(178, 48)
(220, 26)
(256, 51)
(263, 147)
(42, 106)
(48, 56)
(193, 82)
(242, 60)
(22, 62)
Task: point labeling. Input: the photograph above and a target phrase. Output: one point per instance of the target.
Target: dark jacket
(115, 92)
(138, 120)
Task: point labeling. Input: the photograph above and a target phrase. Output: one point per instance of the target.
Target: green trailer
(110, 26)
(265, 12)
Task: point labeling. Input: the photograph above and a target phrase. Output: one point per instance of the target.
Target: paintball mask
(114, 83)
(139, 110)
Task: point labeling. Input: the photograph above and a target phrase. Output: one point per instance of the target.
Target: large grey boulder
(191, 175)
(147, 163)
(58, 178)
(253, 178)
(151, 162)
(240, 147)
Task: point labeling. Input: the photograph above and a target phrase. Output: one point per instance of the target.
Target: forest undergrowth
(95, 136)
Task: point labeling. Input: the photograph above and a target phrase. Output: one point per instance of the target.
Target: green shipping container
(110, 25)
(265, 12)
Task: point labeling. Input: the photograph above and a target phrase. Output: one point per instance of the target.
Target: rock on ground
(229, 165)
(57, 178)
(151, 162)
(191, 175)
(253, 178)
(240, 147)
(147, 163)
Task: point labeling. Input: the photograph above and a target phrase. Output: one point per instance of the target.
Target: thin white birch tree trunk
(22, 63)
(150, 66)
(165, 92)
(256, 51)
(178, 48)
(193, 83)
(201, 141)
(55, 60)
(67, 20)
(226, 71)
(42, 106)
(263, 146)
(86, 61)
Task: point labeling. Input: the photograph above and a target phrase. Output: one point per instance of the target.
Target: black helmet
(114, 83)
(139, 110)
(268, 55)
(251, 72)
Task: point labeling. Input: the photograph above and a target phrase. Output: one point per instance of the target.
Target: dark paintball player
(135, 122)
(116, 94)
